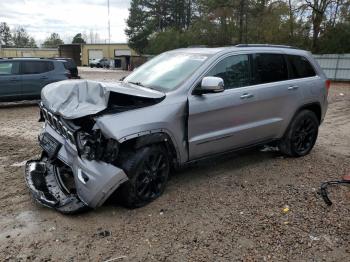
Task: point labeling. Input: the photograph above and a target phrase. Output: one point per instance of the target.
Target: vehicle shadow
(204, 170)
(217, 165)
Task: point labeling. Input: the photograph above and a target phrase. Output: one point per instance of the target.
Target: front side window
(234, 70)
(166, 71)
(269, 68)
(36, 67)
(8, 68)
(300, 67)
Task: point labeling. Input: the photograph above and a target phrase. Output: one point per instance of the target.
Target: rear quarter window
(68, 64)
(299, 67)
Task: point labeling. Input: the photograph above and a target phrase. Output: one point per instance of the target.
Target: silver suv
(124, 138)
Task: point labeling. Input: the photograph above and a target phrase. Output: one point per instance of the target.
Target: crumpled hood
(77, 98)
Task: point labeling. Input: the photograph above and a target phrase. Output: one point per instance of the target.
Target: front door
(10, 81)
(216, 121)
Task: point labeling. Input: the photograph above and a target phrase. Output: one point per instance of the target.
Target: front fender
(169, 119)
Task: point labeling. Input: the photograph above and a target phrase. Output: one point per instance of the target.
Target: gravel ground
(252, 206)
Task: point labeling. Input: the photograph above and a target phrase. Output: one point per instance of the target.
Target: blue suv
(23, 78)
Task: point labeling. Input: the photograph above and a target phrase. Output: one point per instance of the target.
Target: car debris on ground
(324, 192)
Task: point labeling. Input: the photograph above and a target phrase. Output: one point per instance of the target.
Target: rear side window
(300, 67)
(8, 68)
(68, 64)
(36, 67)
(269, 68)
(234, 70)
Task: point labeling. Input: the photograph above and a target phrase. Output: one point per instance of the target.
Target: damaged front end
(78, 168)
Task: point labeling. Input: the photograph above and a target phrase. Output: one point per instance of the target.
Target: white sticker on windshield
(198, 57)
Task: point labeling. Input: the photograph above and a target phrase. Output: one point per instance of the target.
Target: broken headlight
(95, 146)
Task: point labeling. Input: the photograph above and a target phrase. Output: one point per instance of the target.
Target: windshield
(166, 71)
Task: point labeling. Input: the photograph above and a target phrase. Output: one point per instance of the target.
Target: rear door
(10, 80)
(304, 76)
(35, 75)
(277, 95)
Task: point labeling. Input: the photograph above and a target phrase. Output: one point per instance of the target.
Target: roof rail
(197, 46)
(24, 57)
(266, 45)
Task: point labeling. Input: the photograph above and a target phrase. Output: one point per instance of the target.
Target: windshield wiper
(136, 83)
(142, 85)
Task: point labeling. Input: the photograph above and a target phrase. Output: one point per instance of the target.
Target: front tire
(148, 170)
(301, 135)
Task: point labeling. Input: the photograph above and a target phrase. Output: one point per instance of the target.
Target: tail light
(328, 84)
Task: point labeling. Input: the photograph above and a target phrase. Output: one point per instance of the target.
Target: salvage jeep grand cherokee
(183, 105)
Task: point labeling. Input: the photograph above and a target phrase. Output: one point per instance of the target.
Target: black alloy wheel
(304, 136)
(301, 135)
(148, 170)
(152, 176)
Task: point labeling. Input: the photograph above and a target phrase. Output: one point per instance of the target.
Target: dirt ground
(232, 208)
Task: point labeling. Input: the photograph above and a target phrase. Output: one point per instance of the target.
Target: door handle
(293, 87)
(245, 96)
(44, 77)
(14, 79)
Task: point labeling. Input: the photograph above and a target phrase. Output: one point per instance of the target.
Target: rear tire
(301, 135)
(148, 170)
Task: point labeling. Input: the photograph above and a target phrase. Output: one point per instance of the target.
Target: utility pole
(0, 46)
(109, 25)
(109, 34)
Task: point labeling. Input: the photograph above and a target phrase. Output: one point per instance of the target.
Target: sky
(67, 18)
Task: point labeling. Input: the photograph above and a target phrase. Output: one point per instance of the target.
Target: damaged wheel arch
(137, 141)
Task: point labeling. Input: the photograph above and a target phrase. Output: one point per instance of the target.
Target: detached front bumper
(94, 181)
(42, 182)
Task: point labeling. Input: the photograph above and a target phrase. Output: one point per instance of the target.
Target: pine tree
(5, 35)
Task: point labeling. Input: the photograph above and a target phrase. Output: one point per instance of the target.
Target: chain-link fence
(335, 66)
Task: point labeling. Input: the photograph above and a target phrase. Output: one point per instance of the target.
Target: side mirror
(210, 84)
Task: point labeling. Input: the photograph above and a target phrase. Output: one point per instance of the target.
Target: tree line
(322, 26)
(19, 37)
